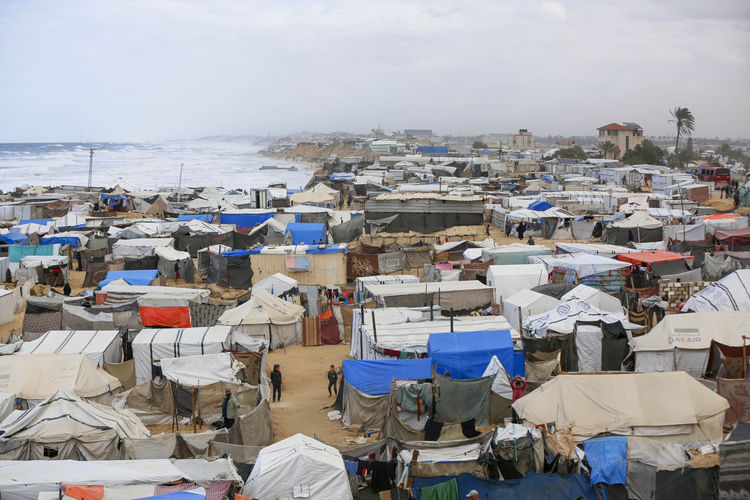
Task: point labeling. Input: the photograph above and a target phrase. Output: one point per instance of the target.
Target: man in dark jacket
(333, 377)
(521, 229)
(229, 406)
(276, 382)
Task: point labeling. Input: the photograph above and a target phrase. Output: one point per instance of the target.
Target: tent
(646, 259)
(230, 269)
(277, 284)
(7, 306)
(461, 296)
(298, 467)
(139, 247)
(201, 370)
(313, 198)
(247, 217)
(298, 233)
(539, 206)
(602, 301)
(360, 283)
(598, 272)
(639, 227)
(40, 376)
(14, 238)
(724, 222)
(65, 426)
(75, 240)
(509, 279)
(672, 407)
(563, 318)
(525, 303)
(514, 253)
(168, 257)
(52, 270)
(142, 277)
(465, 355)
(150, 346)
(683, 341)
(276, 321)
(7, 404)
(730, 293)
(736, 240)
(101, 346)
(204, 259)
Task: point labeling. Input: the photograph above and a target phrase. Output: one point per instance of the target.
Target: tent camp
(465, 355)
(101, 346)
(66, 427)
(300, 233)
(265, 316)
(277, 284)
(139, 247)
(298, 467)
(142, 277)
(639, 227)
(150, 346)
(40, 376)
(682, 341)
(525, 303)
(671, 407)
(730, 293)
(168, 257)
(509, 279)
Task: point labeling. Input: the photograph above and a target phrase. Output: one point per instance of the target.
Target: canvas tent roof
(99, 345)
(139, 247)
(730, 293)
(276, 284)
(529, 303)
(650, 257)
(595, 297)
(298, 463)
(197, 371)
(395, 289)
(621, 403)
(640, 218)
(263, 308)
(564, 317)
(311, 197)
(374, 377)
(40, 376)
(466, 354)
(695, 331)
(586, 265)
(170, 254)
(509, 279)
(604, 249)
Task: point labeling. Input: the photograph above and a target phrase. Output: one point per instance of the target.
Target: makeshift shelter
(525, 303)
(509, 279)
(735, 240)
(298, 466)
(461, 296)
(514, 253)
(143, 277)
(670, 407)
(683, 341)
(64, 427)
(150, 346)
(602, 301)
(72, 239)
(101, 346)
(603, 249)
(40, 376)
(138, 248)
(247, 217)
(361, 283)
(309, 265)
(724, 222)
(267, 317)
(278, 285)
(7, 306)
(204, 257)
(607, 275)
(51, 270)
(319, 199)
(202, 370)
(299, 233)
(230, 269)
(169, 257)
(422, 212)
(688, 232)
(14, 238)
(730, 293)
(43, 314)
(465, 355)
(639, 227)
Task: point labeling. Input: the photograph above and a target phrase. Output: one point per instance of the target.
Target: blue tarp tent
(242, 219)
(177, 495)
(374, 377)
(203, 217)
(41, 222)
(73, 241)
(306, 232)
(142, 277)
(539, 205)
(466, 354)
(14, 238)
(531, 487)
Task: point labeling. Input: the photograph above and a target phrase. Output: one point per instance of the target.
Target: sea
(146, 166)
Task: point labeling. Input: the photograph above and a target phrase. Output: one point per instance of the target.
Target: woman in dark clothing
(521, 229)
(276, 382)
(333, 377)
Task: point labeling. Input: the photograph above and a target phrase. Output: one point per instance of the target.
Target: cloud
(554, 9)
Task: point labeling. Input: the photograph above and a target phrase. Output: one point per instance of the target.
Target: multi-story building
(522, 140)
(623, 138)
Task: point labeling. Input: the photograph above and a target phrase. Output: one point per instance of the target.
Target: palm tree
(605, 147)
(685, 123)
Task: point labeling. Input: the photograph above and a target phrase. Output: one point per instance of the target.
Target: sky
(146, 70)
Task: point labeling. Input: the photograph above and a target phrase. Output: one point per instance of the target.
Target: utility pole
(91, 166)
(682, 216)
(179, 185)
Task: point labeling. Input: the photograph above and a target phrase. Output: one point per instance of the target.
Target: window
(627, 142)
(601, 133)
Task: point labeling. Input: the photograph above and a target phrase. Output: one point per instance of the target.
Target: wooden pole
(520, 320)
(451, 320)
(192, 408)
(432, 305)
(179, 184)
(374, 327)
(744, 357)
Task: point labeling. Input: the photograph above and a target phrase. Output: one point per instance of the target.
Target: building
(387, 146)
(624, 138)
(522, 140)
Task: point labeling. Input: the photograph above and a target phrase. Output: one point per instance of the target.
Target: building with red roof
(623, 137)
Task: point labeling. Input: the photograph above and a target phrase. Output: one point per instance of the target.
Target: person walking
(333, 378)
(229, 406)
(276, 382)
(521, 229)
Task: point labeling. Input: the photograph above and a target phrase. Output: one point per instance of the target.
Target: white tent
(7, 404)
(724, 222)
(197, 371)
(7, 306)
(682, 341)
(525, 303)
(298, 467)
(362, 282)
(501, 384)
(564, 317)
(509, 279)
(139, 247)
(730, 293)
(596, 298)
(276, 321)
(150, 346)
(99, 345)
(583, 264)
(276, 284)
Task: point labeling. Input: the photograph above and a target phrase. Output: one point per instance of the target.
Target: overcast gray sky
(151, 69)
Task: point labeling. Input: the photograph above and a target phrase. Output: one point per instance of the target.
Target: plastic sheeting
(139, 278)
(374, 378)
(465, 355)
(531, 487)
(731, 293)
(509, 279)
(607, 457)
(463, 400)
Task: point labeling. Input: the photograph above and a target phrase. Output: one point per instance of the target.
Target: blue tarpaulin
(73, 241)
(204, 217)
(531, 487)
(17, 252)
(113, 196)
(607, 457)
(177, 495)
(374, 377)
(433, 150)
(341, 247)
(14, 238)
(246, 220)
(466, 354)
(142, 277)
(306, 233)
(539, 205)
(41, 222)
(237, 253)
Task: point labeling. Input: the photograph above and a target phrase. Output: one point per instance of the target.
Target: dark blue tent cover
(60, 240)
(113, 196)
(14, 238)
(203, 217)
(141, 277)
(374, 377)
(530, 487)
(307, 232)
(539, 205)
(236, 253)
(433, 150)
(466, 354)
(246, 220)
(41, 222)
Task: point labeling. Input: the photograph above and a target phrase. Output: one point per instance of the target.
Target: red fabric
(329, 328)
(171, 317)
(720, 216)
(651, 256)
(84, 492)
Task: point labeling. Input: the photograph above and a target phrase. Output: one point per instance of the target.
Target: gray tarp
(391, 262)
(83, 318)
(348, 231)
(363, 412)
(462, 400)
(254, 428)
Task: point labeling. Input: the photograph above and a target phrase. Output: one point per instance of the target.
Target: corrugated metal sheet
(326, 269)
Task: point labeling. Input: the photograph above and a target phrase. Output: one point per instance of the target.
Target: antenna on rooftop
(179, 185)
(91, 166)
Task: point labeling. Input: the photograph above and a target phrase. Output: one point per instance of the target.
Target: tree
(725, 150)
(479, 145)
(645, 153)
(575, 152)
(684, 122)
(605, 147)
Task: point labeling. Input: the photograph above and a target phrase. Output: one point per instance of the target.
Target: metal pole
(682, 217)
(451, 320)
(91, 166)
(432, 305)
(179, 184)
(374, 328)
